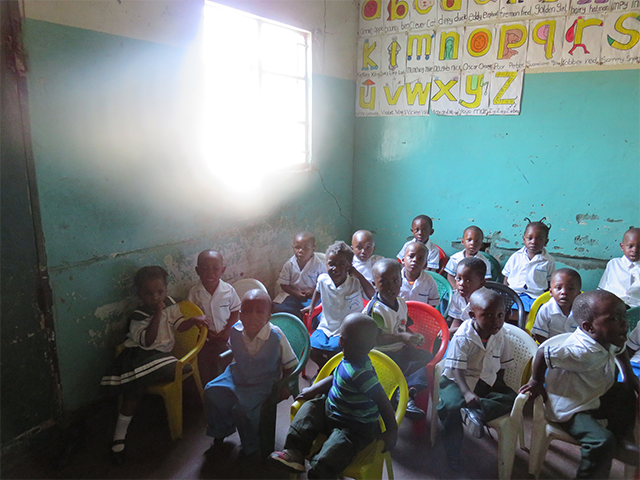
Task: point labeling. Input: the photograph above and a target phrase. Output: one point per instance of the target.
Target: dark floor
(152, 454)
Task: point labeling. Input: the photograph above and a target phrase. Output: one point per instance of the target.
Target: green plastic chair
(633, 315)
(298, 337)
(496, 269)
(445, 292)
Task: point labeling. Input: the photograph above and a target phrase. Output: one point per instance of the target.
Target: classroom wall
(122, 183)
(572, 156)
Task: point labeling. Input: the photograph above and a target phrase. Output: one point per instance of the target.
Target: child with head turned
(622, 275)
(299, 275)
(472, 387)
(363, 246)
(422, 229)
(555, 317)
(341, 291)
(220, 304)
(418, 285)
(344, 406)
(577, 380)
(528, 271)
(146, 359)
(262, 355)
(390, 313)
(472, 239)
(470, 277)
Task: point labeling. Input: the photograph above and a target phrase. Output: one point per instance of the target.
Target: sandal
(288, 460)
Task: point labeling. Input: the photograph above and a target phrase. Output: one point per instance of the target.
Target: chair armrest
(519, 403)
(191, 354)
(295, 406)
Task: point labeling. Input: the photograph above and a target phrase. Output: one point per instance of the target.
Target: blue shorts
(527, 301)
(320, 341)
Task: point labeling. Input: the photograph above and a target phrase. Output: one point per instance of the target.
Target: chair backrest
(510, 298)
(243, 286)
(322, 256)
(296, 334)
(633, 315)
(185, 341)
(442, 259)
(496, 270)
(555, 341)
(445, 292)
(541, 300)
(429, 322)
(524, 349)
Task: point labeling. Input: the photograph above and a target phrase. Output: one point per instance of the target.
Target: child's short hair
(418, 245)
(570, 272)
(340, 248)
(305, 235)
(385, 264)
(539, 225)
(474, 229)
(426, 218)
(632, 231)
(474, 264)
(583, 306)
(147, 273)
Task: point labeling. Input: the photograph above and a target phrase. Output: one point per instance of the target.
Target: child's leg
(247, 420)
(496, 400)
(451, 401)
(130, 402)
(323, 347)
(209, 362)
(618, 405)
(290, 305)
(306, 425)
(219, 402)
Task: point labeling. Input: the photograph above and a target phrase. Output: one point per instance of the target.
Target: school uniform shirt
(459, 307)
(622, 278)
(433, 260)
(338, 302)
(388, 320)
(217, 307)
(366, 268)
(633, 342)
(531, 277)
(579, 372)
(304, 279)
(454, 260)
(253, 346)
(550, 321)
(479, 362)
(170, 319)
(423, 289)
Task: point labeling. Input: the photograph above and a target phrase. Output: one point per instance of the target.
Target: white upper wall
(333, 23)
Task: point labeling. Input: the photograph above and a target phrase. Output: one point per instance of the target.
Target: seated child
(417, 284)
(622, 275)
(341, 291)
(633, 345)
(363, 246)
(580, 387)
(472, 387)
(262, 355)
(389, 311)
(347, 410)
(554, 317)
(148, 344)
(299, 275)
(220, 304)
(422, 229)
(470, 276)
(472, 239)
(528, 271)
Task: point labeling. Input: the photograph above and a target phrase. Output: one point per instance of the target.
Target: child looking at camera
(417, 284)
(363, 246)
(470, 277)
(472, 239)
(422, 229)
(622, 275)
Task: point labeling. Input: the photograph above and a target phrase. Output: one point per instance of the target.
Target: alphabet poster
(468, 57)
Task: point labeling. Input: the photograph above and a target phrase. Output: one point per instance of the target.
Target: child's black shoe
(474, 420)
(413, 412)
(117, 457)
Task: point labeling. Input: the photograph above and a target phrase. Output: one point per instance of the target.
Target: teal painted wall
(121, 185)
(572, 156)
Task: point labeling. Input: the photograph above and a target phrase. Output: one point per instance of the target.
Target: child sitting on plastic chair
(418, 285)
(472, 239)
(422, 229)
(622, 275)
(363, 246)
(470, 277)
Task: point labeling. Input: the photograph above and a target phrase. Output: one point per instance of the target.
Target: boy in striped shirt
(347, 409)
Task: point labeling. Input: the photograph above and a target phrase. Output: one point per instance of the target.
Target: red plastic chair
(443, 260)
(428, 322)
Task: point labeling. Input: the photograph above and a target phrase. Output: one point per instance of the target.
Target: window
(257, 99)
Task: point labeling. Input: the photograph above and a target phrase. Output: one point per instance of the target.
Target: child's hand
(534, 388)
(306, 309)
(159, 307)
(472, 400)
(389, 439)
(305, 394)
(222, 334)
(200, 321)
(306, 294)
(417, 339)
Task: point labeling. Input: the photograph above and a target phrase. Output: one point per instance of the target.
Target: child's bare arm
(190, 322)
(539, 338)
(628, 373)
(366, 286)
(455, 324)
(314, 300)
(390, 435)
(151, 332)
(452, 281)
(535, 386)
(506, 281)
(318, 388)
(471, 398)
(407, 338)
(293, 291)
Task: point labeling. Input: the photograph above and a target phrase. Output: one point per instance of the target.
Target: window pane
(280, 50)
(284, 96)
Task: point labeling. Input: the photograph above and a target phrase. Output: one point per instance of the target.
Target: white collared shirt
(217, 307)
(365, 268)
(423, 289)
(633, 343)
(338, 302)
(288, 357)
(550, 321)
(622, 278)
(170, 319)
(304, 279)
(459, 307)
(389, 321)
(433, 260)
(466, 352)
(579, 372)
(456, 258)
(529, 276)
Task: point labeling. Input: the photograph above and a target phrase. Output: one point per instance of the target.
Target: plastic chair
(243, 286)
(541, 300)
(510, 297)
(509, 427)
(442, 258)
(186, 349)
(633, 315)
(369, 462)
(298, 338)
(496, 269)
(445, 292)
(429, 323)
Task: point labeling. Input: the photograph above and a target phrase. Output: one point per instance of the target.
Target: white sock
(122, 425)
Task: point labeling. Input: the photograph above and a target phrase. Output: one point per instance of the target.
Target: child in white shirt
(622, 275)
(470, 277)
(422, 229)
(417, 284)
(363, 246)
(472, 239)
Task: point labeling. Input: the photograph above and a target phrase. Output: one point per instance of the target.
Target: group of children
(354, 280)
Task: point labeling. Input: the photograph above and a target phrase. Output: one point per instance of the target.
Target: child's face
(415, 259)
(535, 239)
(421, 230)
(210, 269)
(153, 292)
(609, 325)
(362, 246)
(338, 268)
(468, 281)
(254, 315)
(488, 321)
(564, 289)
(472, 241)
(631, 246)
(303, 249)
(387, 283)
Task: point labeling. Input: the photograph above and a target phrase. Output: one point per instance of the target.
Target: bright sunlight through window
(257, 94)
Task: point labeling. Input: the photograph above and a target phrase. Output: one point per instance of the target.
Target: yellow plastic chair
(542, 299)
(369, 462)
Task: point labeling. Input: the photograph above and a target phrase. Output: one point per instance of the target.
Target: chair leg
(389, 464)
(506, 451)
(197, 379)
(173, 405)
(539, 447)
